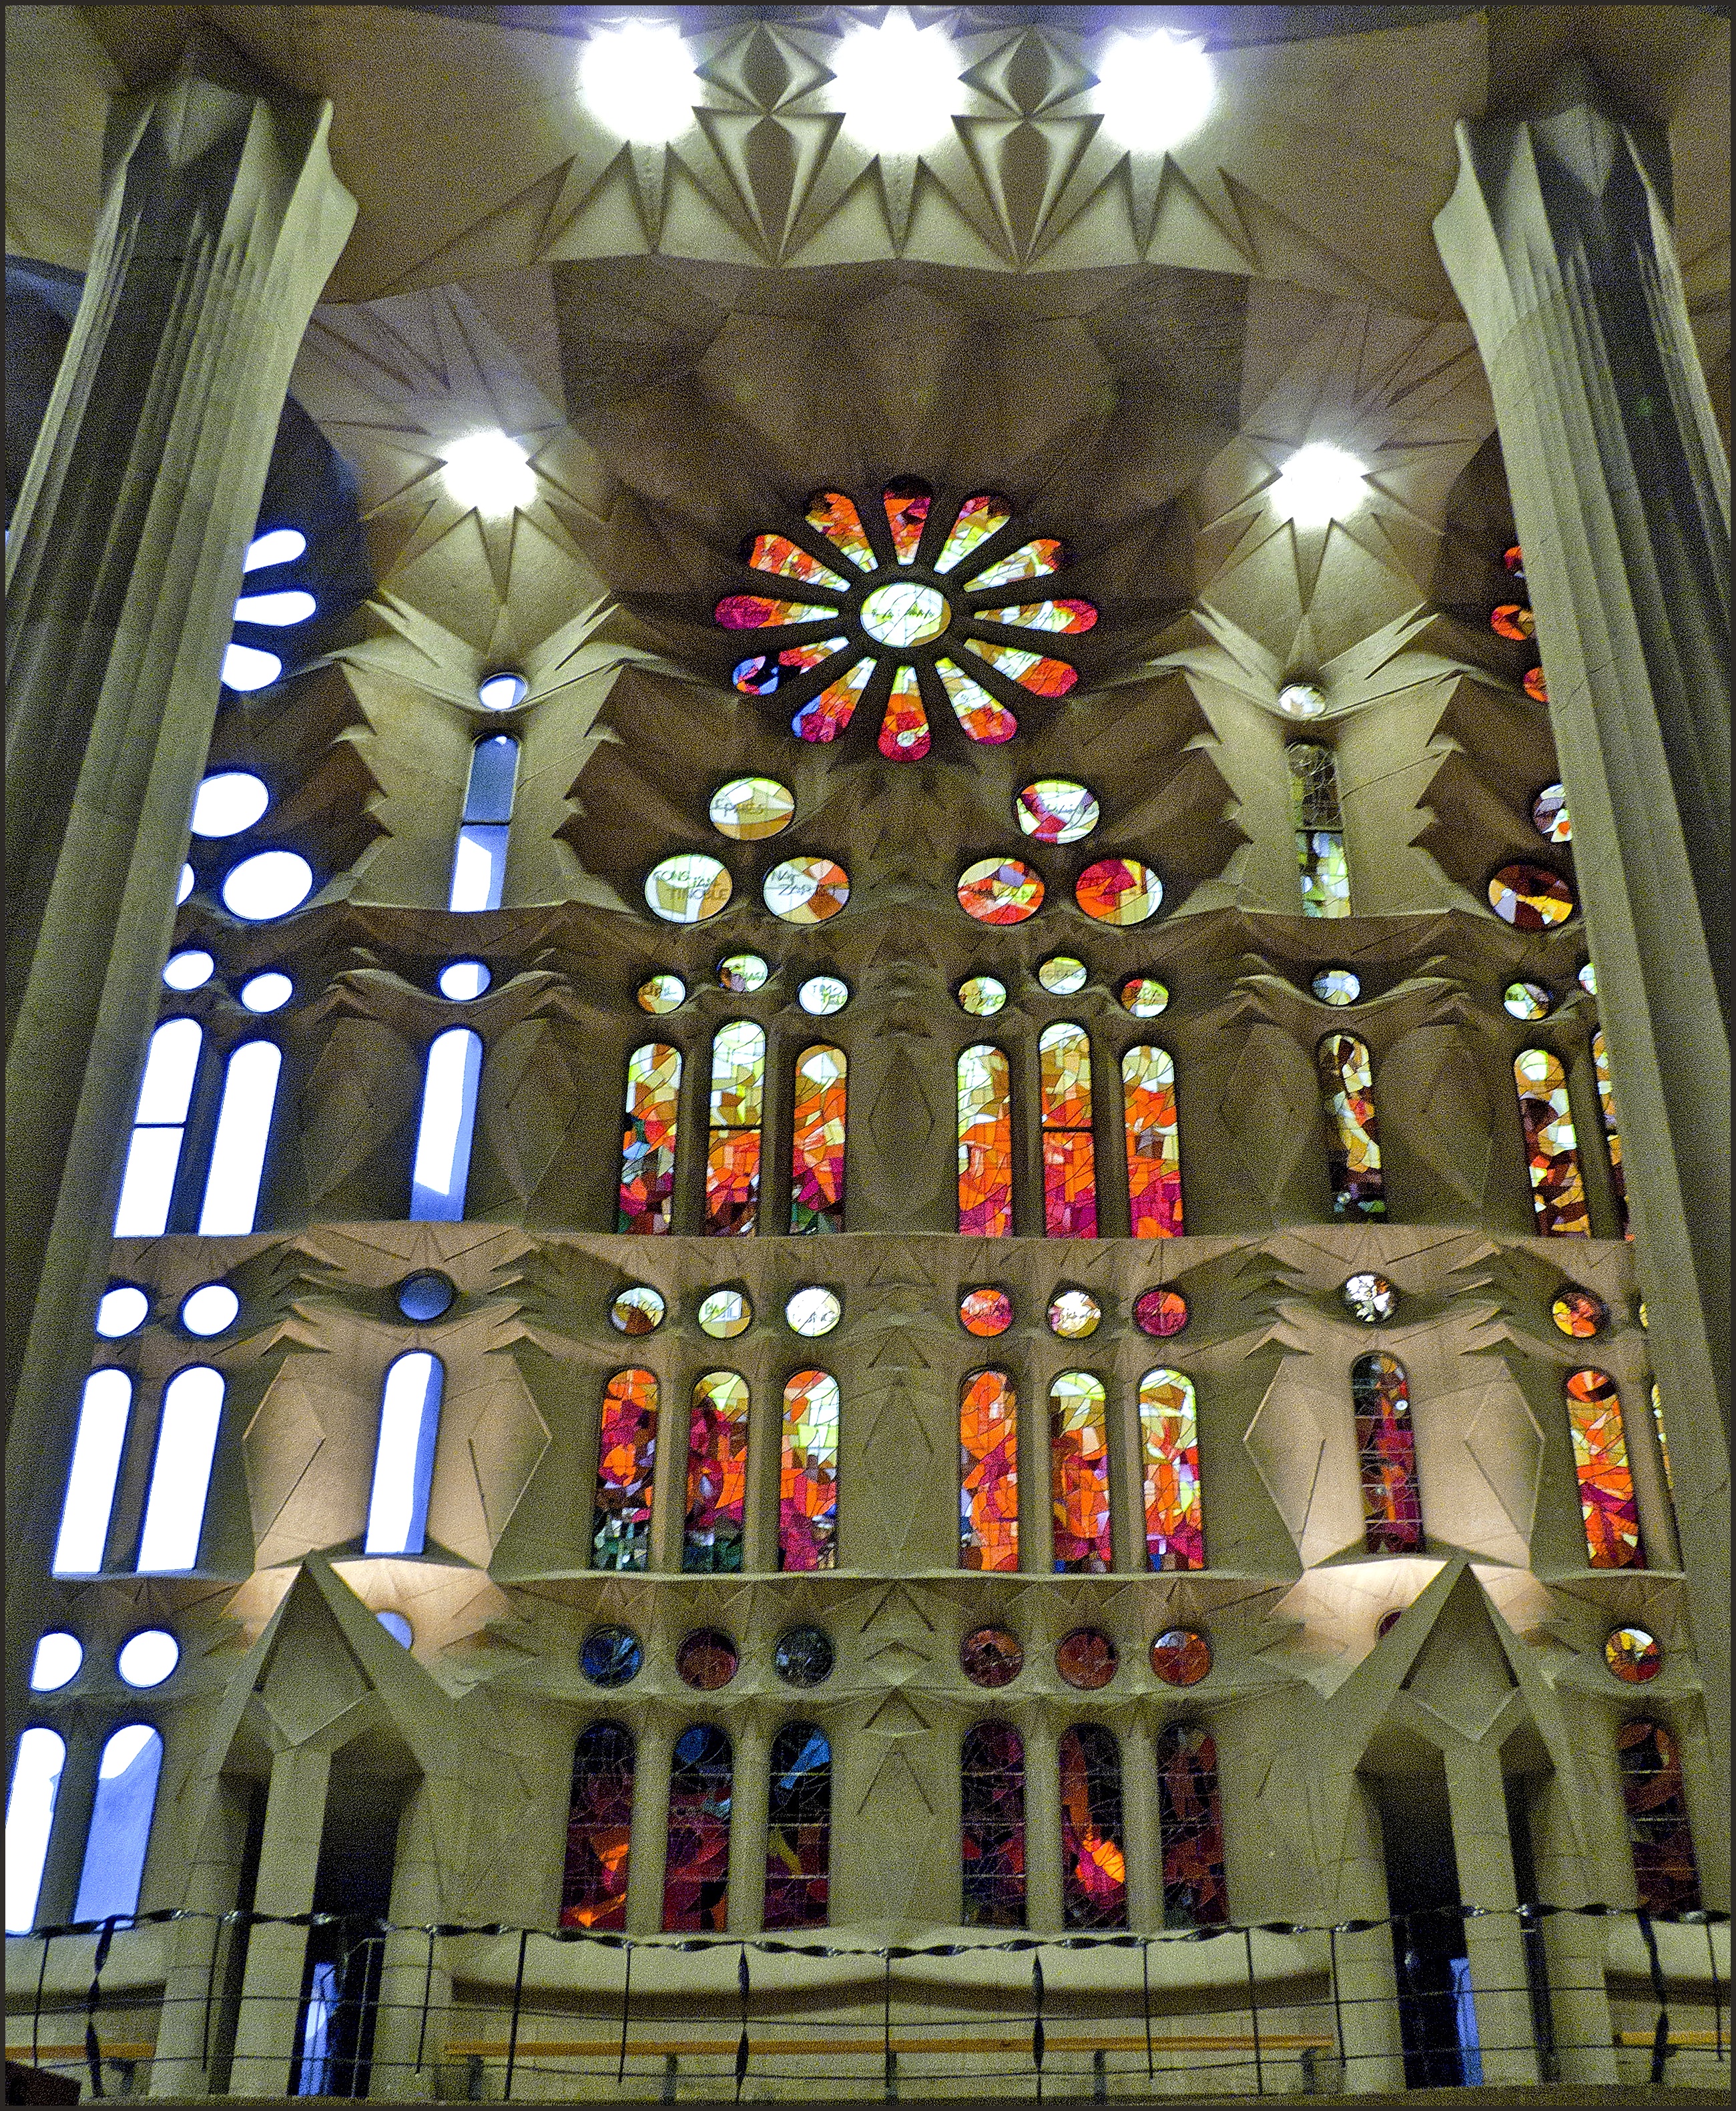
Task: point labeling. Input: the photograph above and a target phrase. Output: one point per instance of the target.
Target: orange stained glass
(1030, 670)
(984, 717)
(1153, 1143)
(988, 1472)
(647, 1171)
(1119, 891)
(978, 519)
(760, 612)
(732, 1171)
(1535, 686)
(626, 1454)
(987, 1310)
(1093, 1859)
(1512, 619)
(1352, 1139)
(1069, 1154)
(906, 502)
(1169, 1440)
(816, 1186)
(1057, 615)
(1600, 1458)
(904, 731)
(1030, 560)
(1386, 1451)
(807, 1487)
(984, 1143)
(1612, 1132)
(716, 1474)
(1551, 1150)
(1000, 891)
(836, 519)
(1078, 1472)
(825, 717)
(789, 560)
(599, 1825)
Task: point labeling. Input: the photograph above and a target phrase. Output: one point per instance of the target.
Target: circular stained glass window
(1143, 996)
(724, 1314)
(1549, 814)
(1633, 1656)
(822, 995)
(991, 1657)
(747, 809)
(688, 889)
(209, 1310)
(806, 890)
(1086, 1658)
(1387, 1620)
(56, 1662)
(660, 993)
(270, 992)
(982, 997)
(1181, 1656)
(1337, 985)
(1119, 891)
(148, 1659)
(503, 691)
(1062, 976)
(461, 981)
(1529, 897)
(121, 1310)
(1513, 621)
(185, 885)
(813, 1310)
(610, 1656)
(1535, 686)
(1073, 1314)
(189, 970)
(706, 1660)
(227, 803)
(638, 1309)
(1160, 1312)
(269, 884)
(901, 613)
(999, 891)
(741, 974)
(426, 1294)
(1054, 809)
(803, 1656)
(1588, 979)
(1525, 1001)
(1643, 1315)
(1576, 1312)
(1370, 1298)
(398, 1627)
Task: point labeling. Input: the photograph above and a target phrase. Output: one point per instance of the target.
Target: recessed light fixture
(1153, 90)
(490, 472)
(1320, 483)
(896, 84)
(639, 80)
(1301, 700)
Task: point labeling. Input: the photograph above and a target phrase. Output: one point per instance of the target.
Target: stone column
(1141, 1835)
(1557, 241)
(1477, 1798)
(748, 1827)
(221, 220)
(271, 1988)
(217, 1846)
(1574, 1946)
(1651, 1497)
(1367, 1984)
(64, 1863)
(1043, 1877)
(405, 1975)
(649, 1841)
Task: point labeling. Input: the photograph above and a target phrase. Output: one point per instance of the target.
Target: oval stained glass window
(999, 891)
(803, 1656)
(1370, 1298)
(822, 995)
(1181, 1656)
(1054, 809)
(1549, 814)
(638, 1309)
(56, 1663)
(688, 889)
(1143, 996)
(742, 974)
(1073, 1314)
(1119, 891)
(228, 802)
(748, 808)
(986, 1311)
(902, 613)
(724, 1314)
(1577, 1314)
(706, 1660)
(806, 890)
(1530, 897)
(660, 993)
(1588, 979)
(269, 884)
(270, 992)
(209, 1310)
(189, 970)
(426, 1294)
(1086, 1658)
(461, 982)
(1337, 985)
(1061, 975)
(148, 1657)
(1160, 1313)
(991, 1657)
(982, 997)
(1535, 686)
(1526, 1001)
(610, 1656)
(121, 1310)
(1512, 620)
(1633, 1654)
(813, 1310)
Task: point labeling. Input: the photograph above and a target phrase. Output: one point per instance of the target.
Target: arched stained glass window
(238, 1151)
(1153, 1143)
(1191, 1828)
(807, 1479)
(988, 1472)
(1093, 1860)
(94, 1474)
(404, 1457)
(1386, 1453)
(731, 1166)
(992, 1784)
(1352, 1140)
(479, 860)
(1600, 1460)
(1069, 1154)
(716, 1474)
(120, 1833)
(1169, 1437)
(29, 1819)
(441, 1171)
(647, 1170)
(159, 1126)
(627, 1448)
(180, 1477)
(1553, 1151)
(1319, 829)
(984, 1143)
(1665, 1871)
(798, 1833)
(1612, 1132)
(695, 1880)
(1079, 1471)
(599, 1830)
(816, 1181)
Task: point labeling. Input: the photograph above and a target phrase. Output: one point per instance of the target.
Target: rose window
(905, 613)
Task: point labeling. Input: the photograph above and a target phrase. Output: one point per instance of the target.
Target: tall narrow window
(1663, 1440)
(1191, 1828)
(599, 1829)
(992, 1782)
(696, 1882)
(1664, 1872)
(479, 862)
(798, 1833)
(807, 1478)
(626, 1454)
(180, 1477)
(160, 1125)
(648, 1166)
(1600, 1460)
(732, 1166)
(988, 1472)
(120, 1823)
(1079, 1471)
(237, 1152)
(1168, 1434)
(29, 1819)
(1093, 1861)
(1352, 1141)
(404, 1460)
(1153, 1143)
(1612, 1132)
(816, 1174)
(1386, 1451)
(1319, 829)
(442, 1169)
(95, 1474)
(716, 1474)
(984, 1143)
(1552, 1152)
(1069, 1154)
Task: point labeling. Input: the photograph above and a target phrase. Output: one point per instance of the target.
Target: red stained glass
(599, 1827)
(984, 1144)
(907, 503)
(1119, 891)
(696, 1882)
(1058, 615)
(1612, 1132)
(991, 1657)
(798, 1835)
(1513, 621)
(983, 718)
(758, 612)
(977, 519)
(988, 1473)
(1191, 1826)
(1352, 1139)
(1658, 1837)
(761, 675)
(1600, 1458)
(647, 1172)
(732, 1172)
(1153, 1143)
(986, 1311)
(1069, 1154)
(1536, 688)
(789, 560)
(716, 1474)
(1078, 1474)
(825, 717)
(992, 1781)
(1181, 1656)
(1030, 670)
(1169, 1439)
(1161, 1312)
(816, 1194)
(1386, 1451)
(836, 519)
(1551, 1150)
(1086, 1658)
(1530, 897)
(626, 1453)
(1030, 560)
(1093, 1861)
(807, 1483)
(904, 731)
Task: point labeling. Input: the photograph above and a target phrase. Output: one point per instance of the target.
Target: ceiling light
(1154, 91)
(1301, 700)
(896, 85)
(490, 472)
(1320, 483)
(639, 81)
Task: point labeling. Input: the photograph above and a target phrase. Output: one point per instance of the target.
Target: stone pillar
(221, 221)
(1367, 1985)
(1574, 1945)
(1042, 1879)
(649, 1841)
(271, 1988)
(405, 1976)
(1652, 1498)
(218, 1842)
(1557, 241)
(64, 1863)
(748, 1827)
(1477, 1798)
(1141, 1832)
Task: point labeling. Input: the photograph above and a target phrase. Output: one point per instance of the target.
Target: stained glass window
(1069, 1154)
(119, 1832)
(988, 1472)
(696, 1879)
(798, 1836)
(1074, 1315)
(1352, 1138)
(1169, 1441)
(1161, 1312)
(440, 1171)
(716, 1474)
(1633, 1654)
(160, 1119)
(1119, 891)
(648, 1168)
(404, 1454)
(1386, 1452)
(1530, 897)
(1000, 891)
(1665, 1873)
(1611, 1133)
(1319, 829)
(732, 1166)
(986, 1310)
(816, 1188)
(992, 1782)
(984, 1143)
(599, 1829)
(1093, 1861)
(1153, 1143)
(1078, 1469)
(1663, 1441)
(1191, 1826)
(807, 1482)
(1600, 1460)
(626, 1453)
(1086, 1658)
(1552, 1152)
(480, 858)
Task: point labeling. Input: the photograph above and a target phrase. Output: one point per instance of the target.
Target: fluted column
(289, 1857)
(749, 1794)
(1476, 1795)
(198, 1949)
(648, 1844)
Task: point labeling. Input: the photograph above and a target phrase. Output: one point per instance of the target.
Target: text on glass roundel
(611, 1655)
(1144, 997)
(999, 891)
(724, 1314)
(1119, 891)
(1061, 975)
(1579, 1314)
(806, 890)
(1633, 1656)
(1181, 1656)
(986, 1311)
(991, 1657)
(708, 1659)
(902, 613)
(1055, 810)
(1160, 1313)
(1086, 1658)
(638, 1309)
(1073, 1314)
(981, 995)
(271, 883)
(660, 993)
(1530, 898)
(813, 1310)
(688, 888)
(742, 974)
(747, 809)
(803, 1656)
(822, 995)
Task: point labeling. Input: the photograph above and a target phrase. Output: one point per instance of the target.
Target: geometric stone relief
(355, 1105)
(492, 1440)
(1432, 1094)
(1329, 1618)
(1300, 1441)
(1505, 1444)
(527, 1112)
(1461, 1672)
(1270, 1109)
